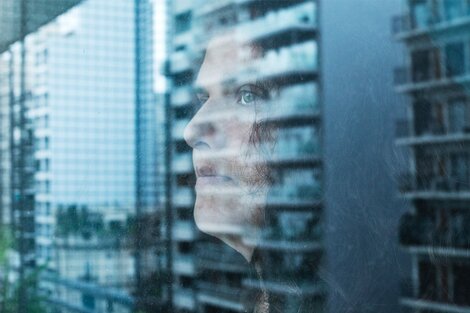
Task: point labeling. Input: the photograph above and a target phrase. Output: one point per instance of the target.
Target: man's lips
(213, 180)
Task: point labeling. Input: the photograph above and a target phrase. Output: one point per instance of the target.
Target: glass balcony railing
(184, 298)
(296, 150)
(182, 163)
(178, 128)
(409, 182)
(300, 16)
(307, 194)
(212, 255)
(221, 290)
(183, 230)
(404, 129)
(298, 58)
(180, 61)
(403, 24)
(184, 264)
(297, 101)
(418, 230)
(182, 196)
(181, 95)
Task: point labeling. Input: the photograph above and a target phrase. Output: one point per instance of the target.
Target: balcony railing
(180, 61)
(404, 130)
(184, 298)
(184, 231)
(178, 128)
(182, 196)
(220, 290)
(423, 231)
(211, 253)
(294, 195)
(298, 101)
(181, 95)
(182, 163)
(300, 58)
(409, 182)
(303, 15)
(402, 24)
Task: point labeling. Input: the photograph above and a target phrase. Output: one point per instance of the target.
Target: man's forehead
(225, 55)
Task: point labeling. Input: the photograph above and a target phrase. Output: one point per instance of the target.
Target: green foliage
(9, 291)
(5, 243)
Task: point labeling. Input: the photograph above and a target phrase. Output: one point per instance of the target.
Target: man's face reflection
(231, 173)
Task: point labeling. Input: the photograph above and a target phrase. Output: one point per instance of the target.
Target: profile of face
(227, 140)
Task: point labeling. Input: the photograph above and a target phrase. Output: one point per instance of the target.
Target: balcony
(288, 153)
(405, 82)
(296, 63)
(422, 236)
(276, 25)
(180, 62)
(403, 28)
(178, 129)
(183, 265)
(183, 197)
(184, 298)
(209, 7)
(297, 104)
(184, 231)
(220, 294)
(434, 133)
(181, 96)
(219, 257)
(284, 245)
(310, 288)
(294, 196)
(423, 305)
(182, 163)
(445, 188)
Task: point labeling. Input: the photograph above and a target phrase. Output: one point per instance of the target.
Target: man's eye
(247, 97)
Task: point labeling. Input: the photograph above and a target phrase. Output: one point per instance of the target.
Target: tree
(9, 290)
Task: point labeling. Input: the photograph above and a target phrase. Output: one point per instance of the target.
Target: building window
(459, 170)
(183, 22)
(461, 279)
(457, 115)
(421, 65)
(452, 9)
(455, 59)
(420, 16)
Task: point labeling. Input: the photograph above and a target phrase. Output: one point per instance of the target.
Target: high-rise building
(436, 233)
(209, 276)
(82, 151)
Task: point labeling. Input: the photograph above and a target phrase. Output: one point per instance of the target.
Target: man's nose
(200, 131)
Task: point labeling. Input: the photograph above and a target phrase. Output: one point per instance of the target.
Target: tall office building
(5, 166)
(436, 233)
(209, 276)
(83, 151)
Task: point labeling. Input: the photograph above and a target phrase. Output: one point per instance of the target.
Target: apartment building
(435, 79)
(83, 138)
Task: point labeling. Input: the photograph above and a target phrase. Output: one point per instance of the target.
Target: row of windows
(438, 62)
(428, 12)
(442, 117)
